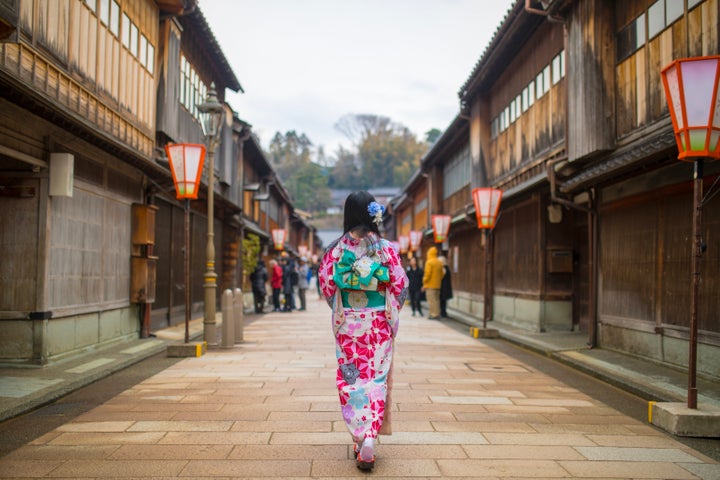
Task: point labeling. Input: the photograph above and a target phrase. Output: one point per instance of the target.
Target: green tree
(250, 255)
(345, 173)
(387, 152)
(307, 182)
(432, 135)
(309, 187)
(288, 152)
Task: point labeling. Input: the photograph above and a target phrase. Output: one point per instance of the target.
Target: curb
(32, 402)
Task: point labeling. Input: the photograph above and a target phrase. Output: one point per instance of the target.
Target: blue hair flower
(376, 211)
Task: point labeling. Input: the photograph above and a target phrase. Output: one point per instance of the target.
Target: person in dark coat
(446, 292)
(258, 278)
(290, 280)
(415, 276)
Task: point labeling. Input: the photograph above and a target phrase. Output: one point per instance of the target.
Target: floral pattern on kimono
(364, 334)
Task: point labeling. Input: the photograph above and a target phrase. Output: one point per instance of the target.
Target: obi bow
(351, 273)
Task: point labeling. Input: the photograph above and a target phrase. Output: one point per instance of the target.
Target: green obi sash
(358, 280)
(351, 273)
(362, 299)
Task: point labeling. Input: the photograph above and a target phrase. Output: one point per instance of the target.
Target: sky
(304, 64)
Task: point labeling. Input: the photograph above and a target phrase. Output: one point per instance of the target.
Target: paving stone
(83, 426)
(119, 468)
(502, 468)
(537, 452)
(102, 438)
(291, 452)
(62, 452)
(27, 468)
(172, 452)
(634, 470)
(628, 454)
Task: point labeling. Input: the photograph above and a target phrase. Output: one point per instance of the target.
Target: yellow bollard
(650, 408)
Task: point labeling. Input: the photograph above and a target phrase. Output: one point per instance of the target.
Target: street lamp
(691, 89)
(186, 163)
(212, 112)
(441, 227)
(487, 205)
(278, 235)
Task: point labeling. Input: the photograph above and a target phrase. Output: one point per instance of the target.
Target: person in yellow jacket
(432, 280)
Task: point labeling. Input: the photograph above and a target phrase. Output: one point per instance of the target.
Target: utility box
(142, 280)
(143, 224)
(559, 260)
(143, 271)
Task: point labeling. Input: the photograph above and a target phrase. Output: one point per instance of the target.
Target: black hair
(356, 215)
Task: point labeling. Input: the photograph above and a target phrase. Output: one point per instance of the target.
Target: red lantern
(691, 89)
(404, 242)
(186, 163)
(278, 235)
(441, 227)
(487, 206)
(415, 239)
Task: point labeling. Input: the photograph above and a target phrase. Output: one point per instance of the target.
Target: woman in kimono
(365, 285)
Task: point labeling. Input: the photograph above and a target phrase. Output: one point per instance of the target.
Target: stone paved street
(269, 408)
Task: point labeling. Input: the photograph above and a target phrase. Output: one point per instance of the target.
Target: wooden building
(91, 237)
(565, 113)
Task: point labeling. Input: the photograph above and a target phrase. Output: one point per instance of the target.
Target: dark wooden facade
(107, 84)
(594, 228)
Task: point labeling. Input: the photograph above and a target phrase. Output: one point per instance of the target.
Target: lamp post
(212, 111)
(186, 163)
(441, 227)
(691, 89)
(487, 205)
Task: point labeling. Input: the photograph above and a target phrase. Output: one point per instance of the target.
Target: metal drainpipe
(592, 244)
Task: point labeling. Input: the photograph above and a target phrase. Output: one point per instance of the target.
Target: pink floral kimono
(365, 284)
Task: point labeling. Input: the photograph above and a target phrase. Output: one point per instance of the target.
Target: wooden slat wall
(404, 222)
(543, 124)
(88, 71)
(590, 56)
(645, 254)
(19, 245)
(457, 201)
(85, 248)
(470, 252)
(420, 217)
(517, 250)
(640, 98)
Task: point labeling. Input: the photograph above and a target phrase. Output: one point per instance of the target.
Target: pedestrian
(276, 282)
(365, 285)
(432, 281)
(290, 279)
(258, 279)
(304, 274)
(446, 292)
(415, 276)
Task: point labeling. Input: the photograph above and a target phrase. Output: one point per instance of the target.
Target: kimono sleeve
(398, 284)
(325, 276)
